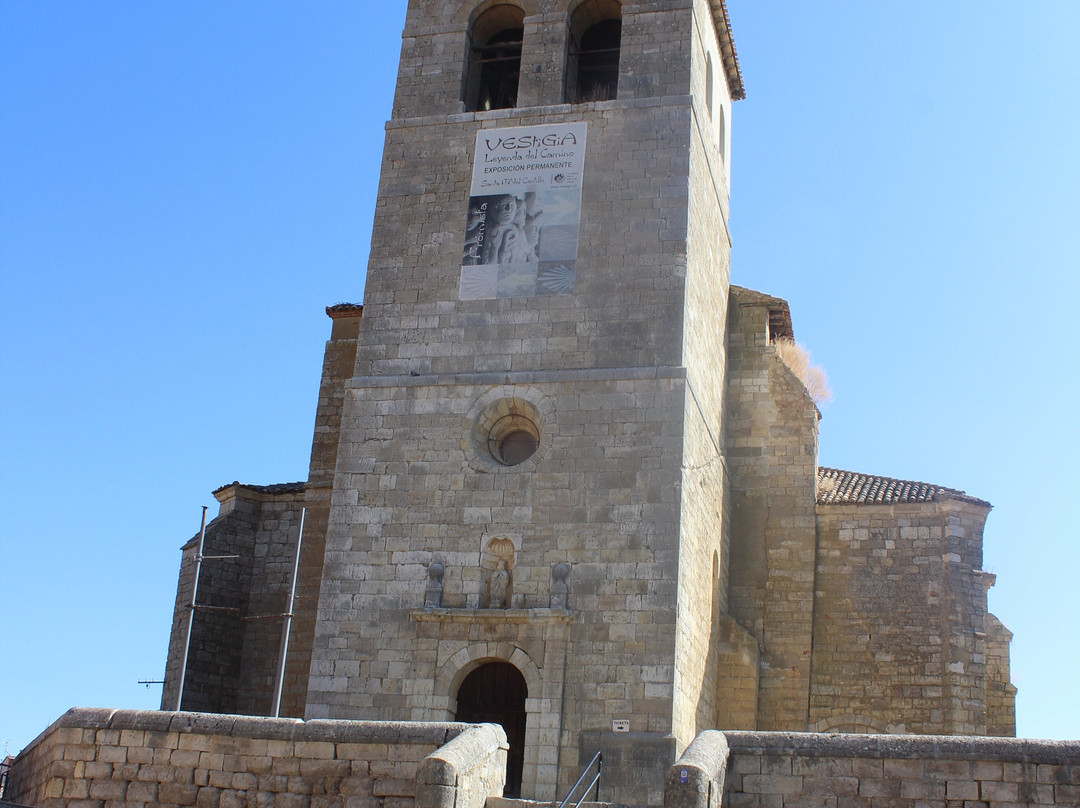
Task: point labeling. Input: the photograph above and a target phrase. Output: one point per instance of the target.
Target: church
(561, 478)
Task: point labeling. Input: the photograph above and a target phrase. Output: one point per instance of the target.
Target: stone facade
(129, 759)
(667, 558)
(624, 379)
(243, 591)
(771, 433)
(900, 629)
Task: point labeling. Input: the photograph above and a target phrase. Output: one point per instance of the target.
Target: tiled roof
(836, 487)
(276, 488)
(345, 309)
(732, 71)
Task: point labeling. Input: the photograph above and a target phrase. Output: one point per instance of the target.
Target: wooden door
(495, 694)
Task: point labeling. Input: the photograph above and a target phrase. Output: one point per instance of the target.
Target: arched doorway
(495, 693)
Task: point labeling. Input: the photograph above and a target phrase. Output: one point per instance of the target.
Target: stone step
(511, 802)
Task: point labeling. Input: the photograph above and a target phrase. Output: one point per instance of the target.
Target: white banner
(521, 233)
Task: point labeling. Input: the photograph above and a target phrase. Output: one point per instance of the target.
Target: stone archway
(495, 693)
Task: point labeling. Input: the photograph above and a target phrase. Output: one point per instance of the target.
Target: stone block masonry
(577, 492)
(900, 624)
(128, 759)
(241, 601)
(785, 770)
(125, 758)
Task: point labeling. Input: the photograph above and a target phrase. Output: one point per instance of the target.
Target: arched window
(592, 64)
(494, 64)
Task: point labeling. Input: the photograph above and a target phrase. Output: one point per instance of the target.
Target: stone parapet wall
(783, 770)
(94, 758)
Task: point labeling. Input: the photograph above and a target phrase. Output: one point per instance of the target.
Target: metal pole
(288, 622)
(191, 610)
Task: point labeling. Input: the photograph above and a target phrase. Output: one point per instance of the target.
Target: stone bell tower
(528, 513)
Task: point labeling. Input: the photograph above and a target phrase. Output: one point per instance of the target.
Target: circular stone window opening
(513, 439)
(508, 431)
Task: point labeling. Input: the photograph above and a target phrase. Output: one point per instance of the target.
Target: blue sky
(185, 186)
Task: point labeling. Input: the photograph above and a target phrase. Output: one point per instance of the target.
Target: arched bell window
(494, 59)
(592, 64)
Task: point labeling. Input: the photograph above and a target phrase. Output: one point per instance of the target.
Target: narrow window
(722, 128)
(708, 83)
(592, 65)
(494, 63)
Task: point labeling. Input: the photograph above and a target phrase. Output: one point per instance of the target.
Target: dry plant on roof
(797, 358)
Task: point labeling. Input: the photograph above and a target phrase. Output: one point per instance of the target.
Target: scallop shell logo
(558, 279)
(478, 283)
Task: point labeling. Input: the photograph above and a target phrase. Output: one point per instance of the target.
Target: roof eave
(730, 56)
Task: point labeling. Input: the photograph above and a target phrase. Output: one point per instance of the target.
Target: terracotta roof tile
(345, 310)
(837, 487)
(275, 488)
(732, 71)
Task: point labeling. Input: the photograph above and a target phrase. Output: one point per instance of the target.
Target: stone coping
(569, 111)
(436, 733)
(515, 616)
(949, 747)
(519, 377)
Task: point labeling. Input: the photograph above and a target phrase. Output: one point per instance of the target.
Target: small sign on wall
(620, 726)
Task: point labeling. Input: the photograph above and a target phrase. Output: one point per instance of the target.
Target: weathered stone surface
(367, 762)
(918, 771)
(674, 476)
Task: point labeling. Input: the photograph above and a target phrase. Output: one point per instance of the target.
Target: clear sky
(185, 186)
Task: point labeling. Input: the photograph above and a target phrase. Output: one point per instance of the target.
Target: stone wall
(429, 496)
(129, 759)
(1000, 691)
(273, 561)
(213, 664)
(772, 435)
(900, 619)
(602, 372)
(704, 534)
(339, 358)
(241, 600)
(785, 770)
(433, 50)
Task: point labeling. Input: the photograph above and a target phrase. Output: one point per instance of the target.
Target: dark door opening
(495, 694)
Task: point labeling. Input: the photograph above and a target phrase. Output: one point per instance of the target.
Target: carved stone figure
(560, 586)
(500, 585)
(434, 589)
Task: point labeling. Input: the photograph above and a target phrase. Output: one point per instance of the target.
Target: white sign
(620, 726)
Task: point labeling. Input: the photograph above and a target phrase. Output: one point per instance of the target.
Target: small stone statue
(560, 588)
(433, 591)
(500, 584)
